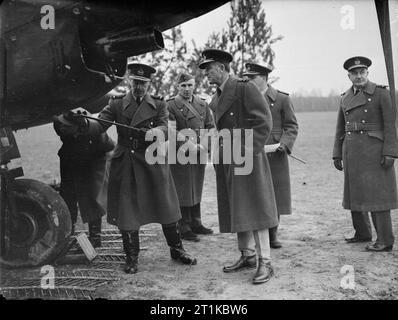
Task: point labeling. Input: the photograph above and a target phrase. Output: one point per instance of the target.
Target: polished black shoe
(189, 236)
(264, 271)
(178, 253)
(377, 247)
(276, 244)
(356, 240)
(201, 230)
(244, 262)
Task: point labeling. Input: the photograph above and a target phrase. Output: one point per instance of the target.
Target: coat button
(366, 110)
(346, 112)
(231, 113)
(132, 151)
(272, 104)
(348, 122)
(90, 142)
(363, 121)
(361, 132)
(348, 132)
(131, 138)
(369, 99)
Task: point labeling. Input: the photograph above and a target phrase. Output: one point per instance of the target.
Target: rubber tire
(47, 208)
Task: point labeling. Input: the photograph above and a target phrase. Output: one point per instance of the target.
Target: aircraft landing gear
(35, 223)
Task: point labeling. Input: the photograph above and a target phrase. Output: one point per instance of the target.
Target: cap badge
(357, 62)
(140, 72)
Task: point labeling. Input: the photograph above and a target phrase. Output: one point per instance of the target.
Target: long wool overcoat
(365, 132)
(284, 130)
(245, 202)
(188, 178)
(138, 193)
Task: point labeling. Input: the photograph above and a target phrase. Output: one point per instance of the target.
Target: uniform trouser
(80, 188)
(250, 242)
(381, 221)
(170, 232)
(190, 218)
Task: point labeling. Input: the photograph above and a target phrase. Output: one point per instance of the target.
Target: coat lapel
(146, 110)
(213, 103)
(129, 105)
(271, 94)
(351, 101)
(182, 103)
(226, 99)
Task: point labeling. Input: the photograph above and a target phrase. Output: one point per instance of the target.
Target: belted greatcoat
(366, 132)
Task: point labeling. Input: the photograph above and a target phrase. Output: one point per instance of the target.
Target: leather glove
(75, 117)
(387, 162)
(338, 164)
(281, 149)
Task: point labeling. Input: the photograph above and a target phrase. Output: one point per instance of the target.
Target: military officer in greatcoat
(189, 111)
(83, 161)
(246, 203)
(139, 193)
(284, 131)
(365, 148)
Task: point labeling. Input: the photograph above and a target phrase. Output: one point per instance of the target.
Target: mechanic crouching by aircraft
(138, 193)
(83, 175)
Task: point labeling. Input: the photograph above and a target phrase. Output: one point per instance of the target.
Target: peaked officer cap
(212, 55)
(254, 69)
(357, 62)
(140, 71)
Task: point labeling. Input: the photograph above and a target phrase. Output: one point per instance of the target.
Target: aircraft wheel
(41, 227)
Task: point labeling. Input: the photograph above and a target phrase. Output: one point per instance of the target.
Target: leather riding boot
(244, 262)
(177, 250)
(273, 238)
(94, 229)
(264, 271)
(131, 247)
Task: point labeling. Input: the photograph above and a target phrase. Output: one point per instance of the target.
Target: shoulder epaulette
(342, 94)
(118, 96)
(283, 92)
(381, 86)
(157, 97)
(243, 80)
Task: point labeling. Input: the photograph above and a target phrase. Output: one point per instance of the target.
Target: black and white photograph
(198, 151)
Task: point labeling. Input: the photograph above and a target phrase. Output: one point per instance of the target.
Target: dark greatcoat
(365, 132)
(188, 178)
(138, 193)
(245, 202)
(284, 130)
(83, 172)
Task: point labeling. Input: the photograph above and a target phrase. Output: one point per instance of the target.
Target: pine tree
(248, 37)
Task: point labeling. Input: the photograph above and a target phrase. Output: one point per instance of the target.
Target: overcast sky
(318, 37)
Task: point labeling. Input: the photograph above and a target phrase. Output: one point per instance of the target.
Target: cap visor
(204, 63)
(139, 78)
(357, 66)
(250, 73)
